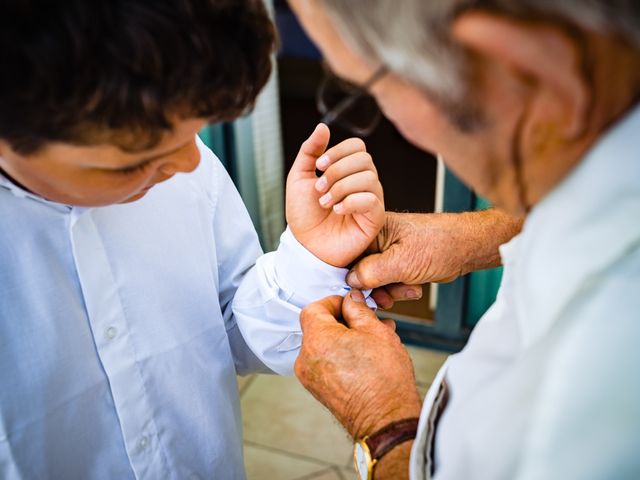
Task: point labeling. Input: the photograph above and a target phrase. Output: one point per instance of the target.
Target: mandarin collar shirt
(548, 384)
(122, 329)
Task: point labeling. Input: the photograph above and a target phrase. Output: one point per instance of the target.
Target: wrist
(385, 454)
(375, 421)
(291, 257)
(395, 464)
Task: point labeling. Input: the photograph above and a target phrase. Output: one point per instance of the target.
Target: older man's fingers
(322, 312)
(380, 269)
(387, 295)
(312, 148)
(382, 298)
(371, 272)
(401, 292)
(356, 313)
(389, 323)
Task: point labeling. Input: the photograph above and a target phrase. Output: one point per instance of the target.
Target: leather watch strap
(390, 436)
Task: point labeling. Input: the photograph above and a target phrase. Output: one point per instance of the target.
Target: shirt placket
(115, 348)
(438, 407)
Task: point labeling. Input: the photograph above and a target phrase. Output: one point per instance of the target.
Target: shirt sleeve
(587, 424)
(261, 295)
(268, 302)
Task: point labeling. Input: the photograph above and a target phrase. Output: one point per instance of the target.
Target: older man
(534, 104)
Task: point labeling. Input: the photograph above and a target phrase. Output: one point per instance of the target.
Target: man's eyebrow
(147, 160)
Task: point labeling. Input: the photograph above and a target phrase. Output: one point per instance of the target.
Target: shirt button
(111, 333)
(143, 443)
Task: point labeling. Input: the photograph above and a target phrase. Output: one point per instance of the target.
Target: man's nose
(184, 161)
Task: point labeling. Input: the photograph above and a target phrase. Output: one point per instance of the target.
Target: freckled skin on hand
(361, 372)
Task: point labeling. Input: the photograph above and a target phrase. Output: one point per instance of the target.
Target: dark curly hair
(117, 71)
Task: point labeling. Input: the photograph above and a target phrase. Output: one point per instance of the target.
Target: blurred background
(288, 435)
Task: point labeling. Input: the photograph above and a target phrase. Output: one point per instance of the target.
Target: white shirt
(548, 386)
(122, 329)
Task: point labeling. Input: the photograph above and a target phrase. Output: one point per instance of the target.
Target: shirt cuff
(304, 278)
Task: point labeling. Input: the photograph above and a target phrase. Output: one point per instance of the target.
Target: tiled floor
(290, 436)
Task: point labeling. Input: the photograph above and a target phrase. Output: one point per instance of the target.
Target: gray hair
(411, 37)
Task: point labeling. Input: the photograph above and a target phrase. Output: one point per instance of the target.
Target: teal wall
(213, 137)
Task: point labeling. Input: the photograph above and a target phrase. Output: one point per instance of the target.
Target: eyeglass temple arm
(339, 109)
(330, 117)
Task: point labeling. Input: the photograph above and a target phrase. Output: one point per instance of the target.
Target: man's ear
(542, 54)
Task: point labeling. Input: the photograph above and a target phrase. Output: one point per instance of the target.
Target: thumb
(356, 313)
(321, 313)
(376, 270)
(312, 148)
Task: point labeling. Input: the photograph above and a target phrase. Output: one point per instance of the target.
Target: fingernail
(323, 162)
(353, 280)
(325, 199)
(357, 296)
(386, 306)
(321, 184)
(413, 294)
(338, 208)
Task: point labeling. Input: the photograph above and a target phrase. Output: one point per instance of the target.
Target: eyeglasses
(348, 105)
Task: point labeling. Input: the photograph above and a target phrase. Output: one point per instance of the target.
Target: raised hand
(337, 216)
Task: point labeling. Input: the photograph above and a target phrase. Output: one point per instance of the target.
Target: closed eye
(145, 163)
(133, 169)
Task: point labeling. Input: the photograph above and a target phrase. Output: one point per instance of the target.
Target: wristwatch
(369, 450)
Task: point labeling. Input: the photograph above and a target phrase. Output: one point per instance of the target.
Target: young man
(132, 285)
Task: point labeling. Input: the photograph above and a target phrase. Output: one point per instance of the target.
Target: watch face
(362, 460)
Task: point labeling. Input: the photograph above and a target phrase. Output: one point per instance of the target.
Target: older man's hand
(413, 249)
(357, 368)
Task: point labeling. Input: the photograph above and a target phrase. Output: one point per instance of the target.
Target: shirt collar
(20, 192)
(588, 222)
